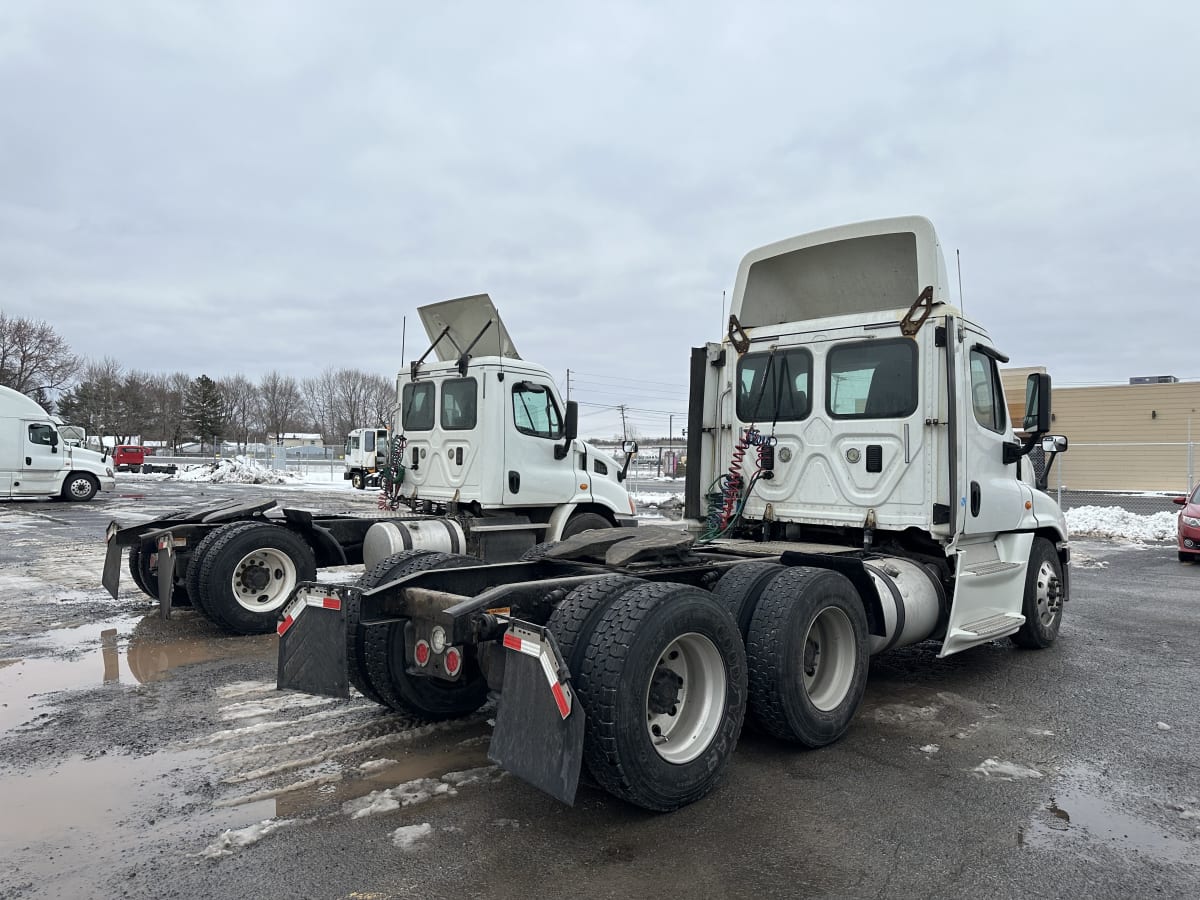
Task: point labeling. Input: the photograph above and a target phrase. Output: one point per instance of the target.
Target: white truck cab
(490, 432)
(37, 461)
(366, 449)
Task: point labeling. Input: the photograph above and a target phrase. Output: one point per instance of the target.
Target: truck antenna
(958, 260)
(403, 337)
(723, 324)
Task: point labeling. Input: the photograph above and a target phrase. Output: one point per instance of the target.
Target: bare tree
(341, 399)
(240, 398)
(279, 396)
(34, 358)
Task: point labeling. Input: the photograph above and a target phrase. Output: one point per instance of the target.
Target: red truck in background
(132, 458)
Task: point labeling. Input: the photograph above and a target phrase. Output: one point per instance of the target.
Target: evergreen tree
(204, 410)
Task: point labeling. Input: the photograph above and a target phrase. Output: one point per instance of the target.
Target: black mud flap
(312, 642)
(111, 579)
(166, 573)
(539, 722)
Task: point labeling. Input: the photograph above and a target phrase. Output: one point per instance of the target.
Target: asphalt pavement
(150, 758)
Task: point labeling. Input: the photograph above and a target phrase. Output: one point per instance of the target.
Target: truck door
(41, 462)
(995, 497)
(533, 429)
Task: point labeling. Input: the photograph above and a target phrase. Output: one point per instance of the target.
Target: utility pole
(568, 385)
(624, 430)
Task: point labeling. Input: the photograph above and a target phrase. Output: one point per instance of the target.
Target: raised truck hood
(466, 317)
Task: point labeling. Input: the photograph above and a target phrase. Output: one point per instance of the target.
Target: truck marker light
(453, 661)
(421, 653)
(438, 639)
(1028, 505)
(583, 487)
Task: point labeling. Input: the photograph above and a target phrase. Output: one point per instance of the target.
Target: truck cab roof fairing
(466, 318)
(866, 267)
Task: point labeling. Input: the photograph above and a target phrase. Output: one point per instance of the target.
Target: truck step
(993, 626)
(989, 567)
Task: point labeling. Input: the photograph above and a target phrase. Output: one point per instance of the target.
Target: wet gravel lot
(150, 758)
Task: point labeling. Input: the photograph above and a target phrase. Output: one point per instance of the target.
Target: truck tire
(537, 551)
(664, 687)
(586, 521)
(383, 650)
(576, 617)
(193, 575)
(80, 487)
(741, 586)
(808, 654)
(357, 481)
(145, 576)
(387, 569)
(1043, 601)
(248, 573)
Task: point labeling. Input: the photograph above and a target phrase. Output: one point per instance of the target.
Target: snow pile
(239, 470)
(230, 840)
(1112, 521)
(406, 837)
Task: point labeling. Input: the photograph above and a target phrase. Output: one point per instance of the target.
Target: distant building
(1134, 437)
(300, 439)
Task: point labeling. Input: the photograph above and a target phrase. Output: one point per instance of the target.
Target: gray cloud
(228, 187)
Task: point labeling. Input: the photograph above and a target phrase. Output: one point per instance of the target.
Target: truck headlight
(1188, 520)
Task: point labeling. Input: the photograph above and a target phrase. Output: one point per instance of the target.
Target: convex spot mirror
(1054, 443)
(629, 447)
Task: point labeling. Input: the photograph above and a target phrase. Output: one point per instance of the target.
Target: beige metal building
(1135, 437)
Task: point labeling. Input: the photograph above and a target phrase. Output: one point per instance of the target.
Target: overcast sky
(226, 187)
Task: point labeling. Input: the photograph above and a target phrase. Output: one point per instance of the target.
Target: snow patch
(930, 748)
(1114, 522)
(408, 794)
(1004, 771)
(407, 836)
(231, 840)
(1162, 726)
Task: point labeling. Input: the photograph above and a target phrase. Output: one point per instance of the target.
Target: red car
(1189, 526)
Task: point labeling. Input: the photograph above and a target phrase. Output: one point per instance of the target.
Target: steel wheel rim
(1049, 599)
(263, 580)
(80, 487)
(829, 652)
(681, 731)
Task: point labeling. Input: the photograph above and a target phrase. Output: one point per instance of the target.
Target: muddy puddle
(125, 650)
(1087, 807)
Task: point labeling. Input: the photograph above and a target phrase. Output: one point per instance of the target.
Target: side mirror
(1182, 501)
(629, 448)
(570, 430)
(1037, 403)
(1054, 443)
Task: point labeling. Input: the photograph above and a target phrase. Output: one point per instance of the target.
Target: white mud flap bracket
(539, 722)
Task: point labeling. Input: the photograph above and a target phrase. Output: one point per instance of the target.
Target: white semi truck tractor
(484, 459)
(854, 485)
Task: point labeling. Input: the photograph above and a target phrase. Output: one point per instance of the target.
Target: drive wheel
(741, 586)
(807, 650)
(193, 576)
(357, 481)
(383, 649)
(664, 688)
(248, 573)
(576, 617)
(1043, 604)
(80, 487)
(581, 522)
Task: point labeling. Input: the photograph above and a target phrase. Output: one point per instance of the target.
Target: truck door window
(416, 404)
(458, 404)
(369, 441)
(774, 387)
(987, 397)
(534, 411)
(42, 434)
(872, 380)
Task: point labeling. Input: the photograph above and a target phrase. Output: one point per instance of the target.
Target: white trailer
(36, 460)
